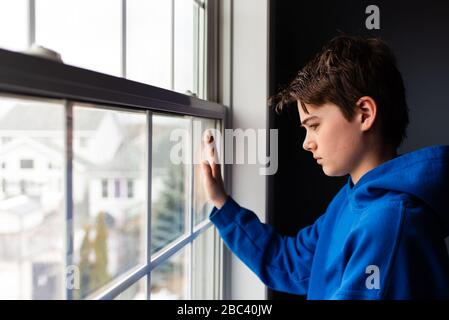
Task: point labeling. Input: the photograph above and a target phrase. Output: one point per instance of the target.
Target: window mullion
(123, 38)
(149, 185)
(172, 47)
(191, 209)
(201, 49)
(69, 225)
(31, 22)
(195, 48)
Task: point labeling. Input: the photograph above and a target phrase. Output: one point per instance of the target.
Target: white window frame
(28, 76)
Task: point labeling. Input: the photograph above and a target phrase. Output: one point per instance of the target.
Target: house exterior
(107, 177)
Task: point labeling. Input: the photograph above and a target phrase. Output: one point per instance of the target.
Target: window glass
(148, 42)
(203, 262)
(32, 219)
(14, 24)
(110, 233)
(201, 205)
(137, 291)
(86, 33)
(170, 179)
(184, 52)
(169, 280)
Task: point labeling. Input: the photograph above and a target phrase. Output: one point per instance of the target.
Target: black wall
(418, 33)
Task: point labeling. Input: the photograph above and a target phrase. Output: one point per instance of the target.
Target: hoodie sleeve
(396, 252)
(282, 263)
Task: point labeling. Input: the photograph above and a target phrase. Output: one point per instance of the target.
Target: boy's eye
(313, 126)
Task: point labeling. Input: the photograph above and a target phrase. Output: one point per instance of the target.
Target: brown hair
(347, 68)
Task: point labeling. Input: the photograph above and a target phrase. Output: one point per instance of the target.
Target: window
(169, 280)
(109, 234)
(169, 183)
(14, 24)
(130, 188)
(204, 270)
(113, 231)
(83, 142)
(84, 226)
(5, 140)
(26, 164)
(149, 20)
(104, 188)
(32, 209)
(138, 291)
(85, 33)
(160, 43)
(117, 188)
(201, 206)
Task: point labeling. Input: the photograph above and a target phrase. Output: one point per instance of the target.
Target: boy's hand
(212, 180)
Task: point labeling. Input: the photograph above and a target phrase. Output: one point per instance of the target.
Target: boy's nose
(308, 145)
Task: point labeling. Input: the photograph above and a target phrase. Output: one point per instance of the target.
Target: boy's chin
(333, 172)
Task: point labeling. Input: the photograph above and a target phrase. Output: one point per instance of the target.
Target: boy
(382, 236)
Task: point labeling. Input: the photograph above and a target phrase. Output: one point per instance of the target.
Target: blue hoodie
(382, 238)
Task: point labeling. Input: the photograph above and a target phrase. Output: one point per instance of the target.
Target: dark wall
(418, 33)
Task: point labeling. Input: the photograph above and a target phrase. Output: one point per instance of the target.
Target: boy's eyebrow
(303, 123)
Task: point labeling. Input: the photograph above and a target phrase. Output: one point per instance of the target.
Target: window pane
(170, 181)
(169, 280)
(184, 45)
(201, 205)
(86, 33)
(130, 188)
(203, 275)
(149, 42)
(110, 233)
(26, 164)
(136, 292)
(14, 24)
(31, 201)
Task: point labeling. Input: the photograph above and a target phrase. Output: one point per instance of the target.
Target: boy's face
(331, 137)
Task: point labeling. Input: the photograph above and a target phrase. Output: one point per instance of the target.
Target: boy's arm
(282, 263)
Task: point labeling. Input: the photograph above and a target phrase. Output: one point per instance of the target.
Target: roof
(29, 117)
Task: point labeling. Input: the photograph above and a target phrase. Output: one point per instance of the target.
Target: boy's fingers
(209, 146)
(211, 155)
(216, 171)
(205, 167)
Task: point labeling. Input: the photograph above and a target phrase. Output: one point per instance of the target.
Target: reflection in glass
(170, 180)
(169, 280)
(110, 234)
(31, 199)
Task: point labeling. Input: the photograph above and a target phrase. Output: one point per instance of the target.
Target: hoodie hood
(423, 174)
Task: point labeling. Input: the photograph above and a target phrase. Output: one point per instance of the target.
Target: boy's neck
(371, 160)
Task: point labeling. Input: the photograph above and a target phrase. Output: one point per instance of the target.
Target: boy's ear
(366, 112)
